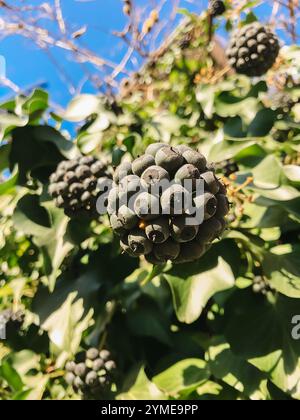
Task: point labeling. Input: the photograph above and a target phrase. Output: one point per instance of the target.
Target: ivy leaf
(81, 107)
(48, 226)
(11, 376)
(281, 266)
(66, 326)
(185, 375)
(191, 294)
(260, 329)
(235, 371)
(262, 123)
(268, 174)
(142, 389)
(8, 185)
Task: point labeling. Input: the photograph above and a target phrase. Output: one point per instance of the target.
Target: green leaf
(81, 107)
(262, 123)
(37, 385)
(30, 217)
(292, 172)
(36, 104)
(234, 127)
(142, 389)
(38, 150)
(21, 395)
(281, 266)
(66, 326)
(8, 185)
(228, 149)
(88, 142)
(24, 361)
(185, 375)
(267, 175)
(260, 329)
(191, 294)
(206, 96)
(11, 376)
(48, 226)
(235, 371)
(229, 106)
(148, 321)
(4, 156)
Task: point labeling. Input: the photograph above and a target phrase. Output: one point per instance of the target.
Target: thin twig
(59, 17)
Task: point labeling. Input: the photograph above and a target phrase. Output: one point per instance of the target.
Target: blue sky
(27, 65)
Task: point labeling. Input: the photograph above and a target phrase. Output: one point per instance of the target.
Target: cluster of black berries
(92, 374)
(216, 8)
(253, 50)
(76, 185)
(11, 322)
(260, 285)
(155, 222)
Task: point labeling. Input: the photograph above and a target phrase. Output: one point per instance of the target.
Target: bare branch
(59, 17)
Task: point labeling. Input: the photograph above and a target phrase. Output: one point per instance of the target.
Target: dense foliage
(218, 328)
